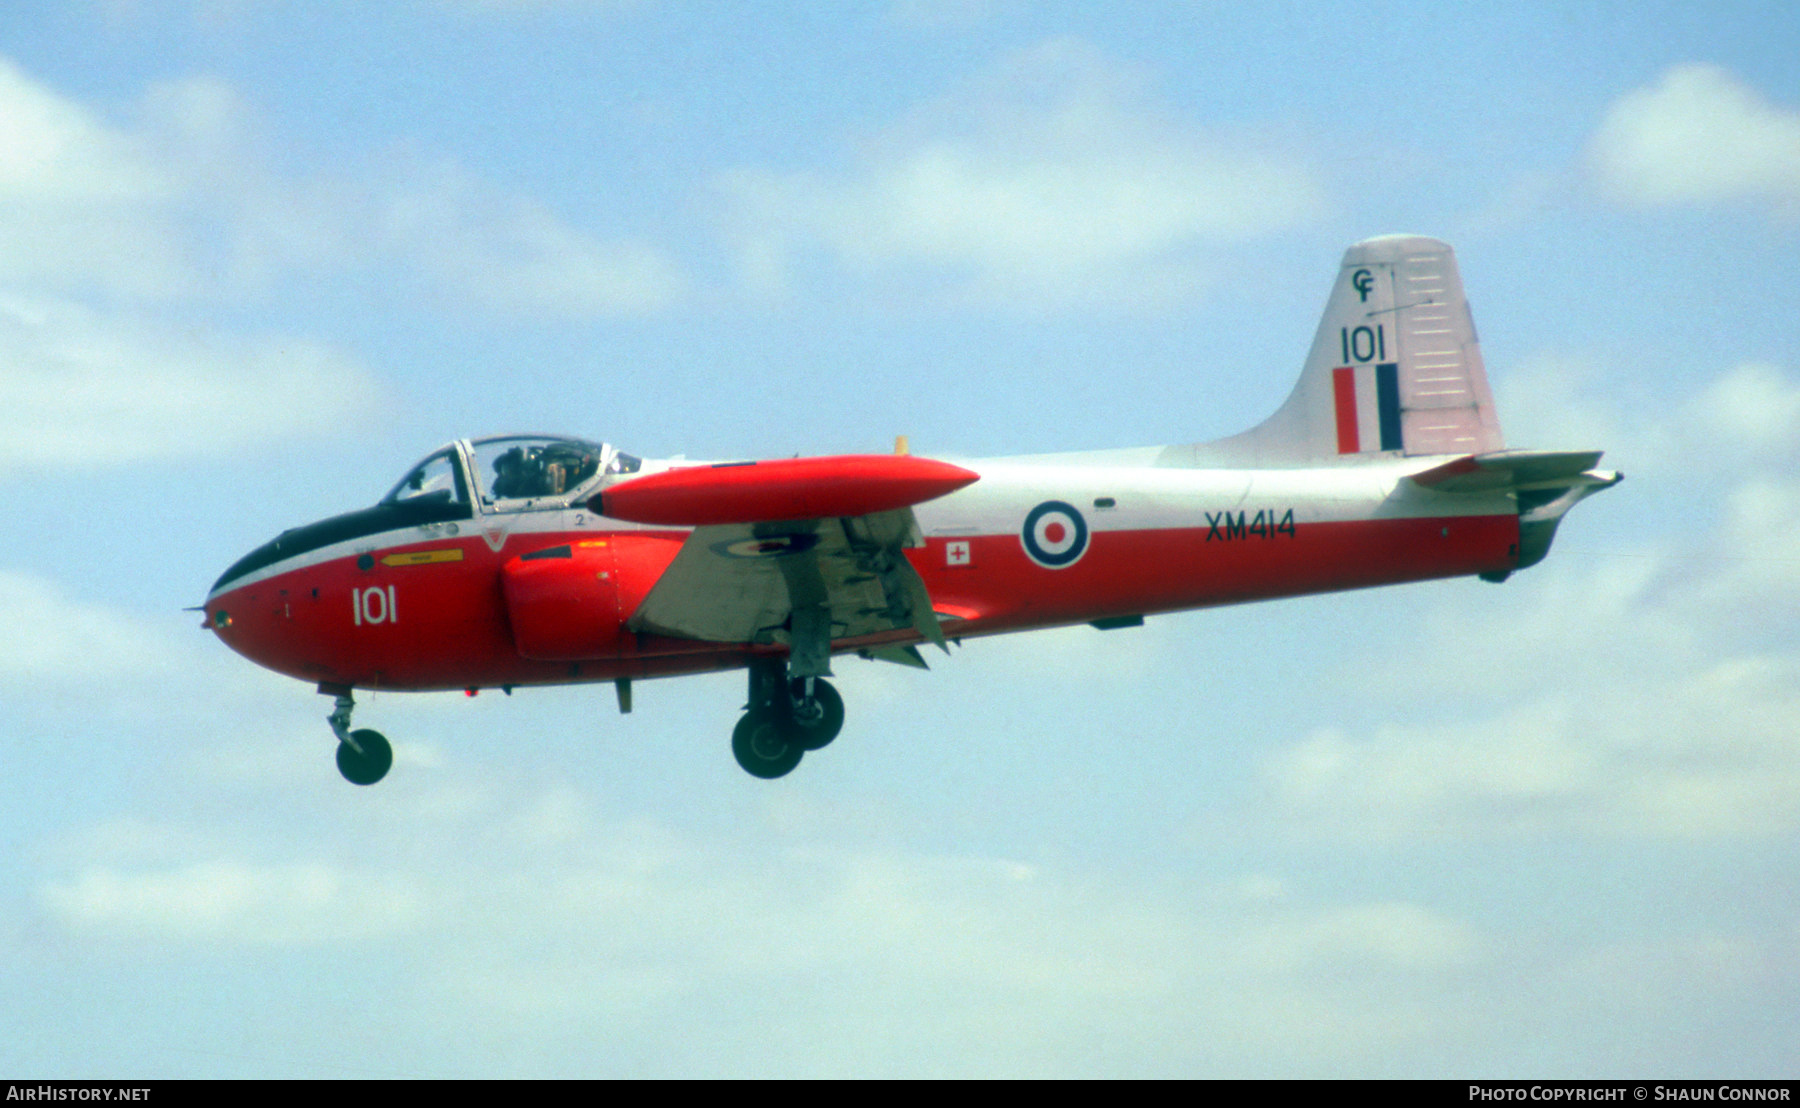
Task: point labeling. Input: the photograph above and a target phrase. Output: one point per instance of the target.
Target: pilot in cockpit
(550, 470)
(511, 480)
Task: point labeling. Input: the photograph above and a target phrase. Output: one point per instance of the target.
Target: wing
(799, 552)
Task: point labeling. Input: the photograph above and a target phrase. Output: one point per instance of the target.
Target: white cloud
(1623, 752)
(52, 638)
(183, 200)
(53, 150)
(1699, 135)
(236, 903)
(84, 390)
(1397, 937)
(1752, 587)
(838, 960)
(1555, 399)
(911, 965)
(1755, 408)
(523, 913)
(1053, 177)
(1746, 417)
(514, 255)
(83, 203)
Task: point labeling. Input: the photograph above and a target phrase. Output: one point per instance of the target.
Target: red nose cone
(786, 489)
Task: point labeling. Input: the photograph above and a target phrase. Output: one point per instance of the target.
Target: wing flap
(803, 584)
(908, 656)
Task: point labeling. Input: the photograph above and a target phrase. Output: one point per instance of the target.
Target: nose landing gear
(363, 757)
(784, 720)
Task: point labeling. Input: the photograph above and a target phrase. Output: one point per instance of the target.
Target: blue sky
(256, 258)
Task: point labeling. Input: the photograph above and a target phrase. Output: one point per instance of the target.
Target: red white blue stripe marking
(1366, 406)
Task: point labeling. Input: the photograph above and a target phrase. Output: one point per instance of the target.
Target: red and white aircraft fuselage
(528, 560)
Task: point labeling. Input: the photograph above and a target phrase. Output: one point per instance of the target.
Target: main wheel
(762, 747)
(372, 764)
(816, 722)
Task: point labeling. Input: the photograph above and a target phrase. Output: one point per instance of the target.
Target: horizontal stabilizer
(782, 490)
(1517, 471)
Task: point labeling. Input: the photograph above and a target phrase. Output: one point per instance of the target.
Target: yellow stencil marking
(423, 557)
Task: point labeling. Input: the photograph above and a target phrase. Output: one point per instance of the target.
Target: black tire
(763, 748)
(372, 764)
(812, 731)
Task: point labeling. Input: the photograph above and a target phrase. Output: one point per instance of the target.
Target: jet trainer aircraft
(539, 560)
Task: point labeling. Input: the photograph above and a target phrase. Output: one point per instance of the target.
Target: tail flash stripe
(1387, 402)
(1343, 389)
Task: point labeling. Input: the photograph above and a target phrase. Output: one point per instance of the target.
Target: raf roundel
(767, 546)
(1055, 536)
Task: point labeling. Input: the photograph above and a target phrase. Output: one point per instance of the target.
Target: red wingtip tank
(783, 489)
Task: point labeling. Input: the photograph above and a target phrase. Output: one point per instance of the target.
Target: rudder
(1395, 369)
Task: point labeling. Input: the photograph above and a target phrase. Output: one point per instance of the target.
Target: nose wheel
(369, 764)
(364, 756)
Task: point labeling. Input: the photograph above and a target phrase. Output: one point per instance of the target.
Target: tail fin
(1394, 370)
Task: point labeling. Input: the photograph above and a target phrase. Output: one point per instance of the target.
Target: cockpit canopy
(507, 473)
(510, 473)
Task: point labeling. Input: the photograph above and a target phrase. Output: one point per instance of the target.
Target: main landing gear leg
(363, 757)
(816, 712)
(784, 719)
